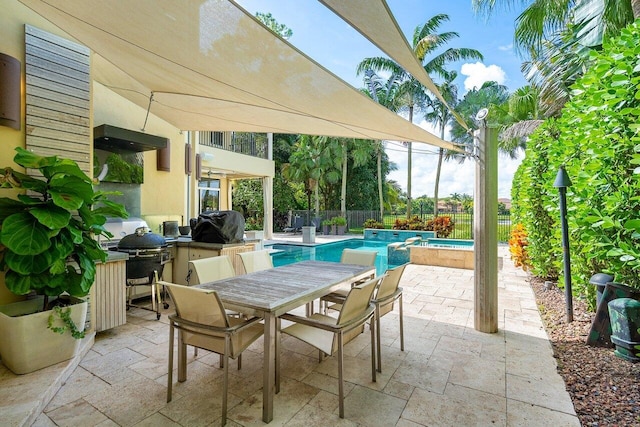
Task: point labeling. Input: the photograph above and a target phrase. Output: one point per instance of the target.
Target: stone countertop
(113, 256)
(187, 242)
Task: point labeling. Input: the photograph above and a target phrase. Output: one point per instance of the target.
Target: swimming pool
(288, 253)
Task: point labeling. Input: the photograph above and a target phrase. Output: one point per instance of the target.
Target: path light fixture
(561, 183)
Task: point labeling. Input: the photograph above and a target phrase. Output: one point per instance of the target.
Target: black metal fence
(355, 219)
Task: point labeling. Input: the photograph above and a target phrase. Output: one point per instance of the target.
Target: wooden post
(485, 232)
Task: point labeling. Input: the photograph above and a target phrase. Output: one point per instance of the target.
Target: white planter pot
(27, 344)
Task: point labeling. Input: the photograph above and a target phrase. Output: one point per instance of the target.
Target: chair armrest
(327, 326)
(232, 329)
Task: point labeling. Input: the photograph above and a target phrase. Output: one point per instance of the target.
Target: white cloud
(478, 73)
(454, 177)
(506, 48)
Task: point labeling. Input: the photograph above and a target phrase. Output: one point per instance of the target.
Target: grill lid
(143, 238)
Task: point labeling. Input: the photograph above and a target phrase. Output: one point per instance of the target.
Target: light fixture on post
(9, 91)
(561, 183)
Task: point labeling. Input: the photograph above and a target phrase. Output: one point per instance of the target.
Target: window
(209, 192)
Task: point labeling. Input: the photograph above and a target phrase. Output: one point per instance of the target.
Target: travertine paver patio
(448, 375)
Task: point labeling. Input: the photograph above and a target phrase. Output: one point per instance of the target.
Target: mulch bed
(604, 388)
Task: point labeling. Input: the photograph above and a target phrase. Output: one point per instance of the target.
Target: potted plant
(341, 224)
(48, 252)
(326, 224)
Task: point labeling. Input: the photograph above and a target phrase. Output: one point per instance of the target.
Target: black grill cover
(219, 227)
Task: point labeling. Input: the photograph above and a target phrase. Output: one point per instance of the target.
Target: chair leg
(377, 328)
(374, 325)
(340, 376)
(239, 362)
(227, 346)
(170, 371)
(401, 324)
(182, 358)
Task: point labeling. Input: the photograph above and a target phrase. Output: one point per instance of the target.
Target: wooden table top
(283, 288)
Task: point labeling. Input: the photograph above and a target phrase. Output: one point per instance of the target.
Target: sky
(330, 41)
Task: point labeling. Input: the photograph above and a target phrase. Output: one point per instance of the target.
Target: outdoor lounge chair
(296, 227)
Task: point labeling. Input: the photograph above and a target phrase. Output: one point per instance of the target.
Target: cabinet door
(184, 254)
(110, 295)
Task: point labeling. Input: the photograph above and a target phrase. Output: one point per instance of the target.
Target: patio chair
(256, 260)
(296, 227)
(329, 334)
(385, 295)
(202, 322)
(349, 256)
(210, 269)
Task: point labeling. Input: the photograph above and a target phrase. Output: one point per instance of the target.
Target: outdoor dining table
(271, 293)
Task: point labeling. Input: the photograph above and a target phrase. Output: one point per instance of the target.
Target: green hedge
(597, 139)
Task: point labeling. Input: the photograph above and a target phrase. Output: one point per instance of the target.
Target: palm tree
(441, 116)
(542, 19)
(383, 92)
(410, 94)
(557, 35)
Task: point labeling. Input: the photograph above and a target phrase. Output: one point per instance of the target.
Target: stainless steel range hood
(119, 140)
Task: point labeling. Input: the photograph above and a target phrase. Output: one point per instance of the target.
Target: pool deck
(448, 375)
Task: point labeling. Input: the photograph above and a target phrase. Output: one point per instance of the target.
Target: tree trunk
(316, 206)
(435, 190)
(380, 148)
(409, 167)
(343, 191)
(635, 6)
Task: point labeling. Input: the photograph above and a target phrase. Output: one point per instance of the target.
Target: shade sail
(209, 65)
(374, 20)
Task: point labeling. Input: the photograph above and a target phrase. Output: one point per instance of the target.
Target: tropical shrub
(372, 223)
(518, 247)
(443, 225)
(400, 224)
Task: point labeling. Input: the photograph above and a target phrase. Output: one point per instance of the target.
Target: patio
(448, 375)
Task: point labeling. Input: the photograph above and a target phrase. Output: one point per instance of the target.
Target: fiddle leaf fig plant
(47, 235)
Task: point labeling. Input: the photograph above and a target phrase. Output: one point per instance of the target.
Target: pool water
(289, 254)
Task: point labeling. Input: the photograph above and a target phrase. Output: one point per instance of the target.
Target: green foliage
(123, 171)
(372, 223)
(270, 22)
(598, 142)
(339, 220)
(67, 323)
(48, 234)
(535, 201)
(443, 225)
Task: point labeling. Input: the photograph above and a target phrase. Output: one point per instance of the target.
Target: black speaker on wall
(9, 91)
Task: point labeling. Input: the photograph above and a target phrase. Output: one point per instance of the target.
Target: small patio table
(271, 293)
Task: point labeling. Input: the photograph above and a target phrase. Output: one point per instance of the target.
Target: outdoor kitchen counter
(113, 256)
(187, 242)
(187, 250)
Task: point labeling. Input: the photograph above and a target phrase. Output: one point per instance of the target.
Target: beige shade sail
(209, 65)
(374, 20)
